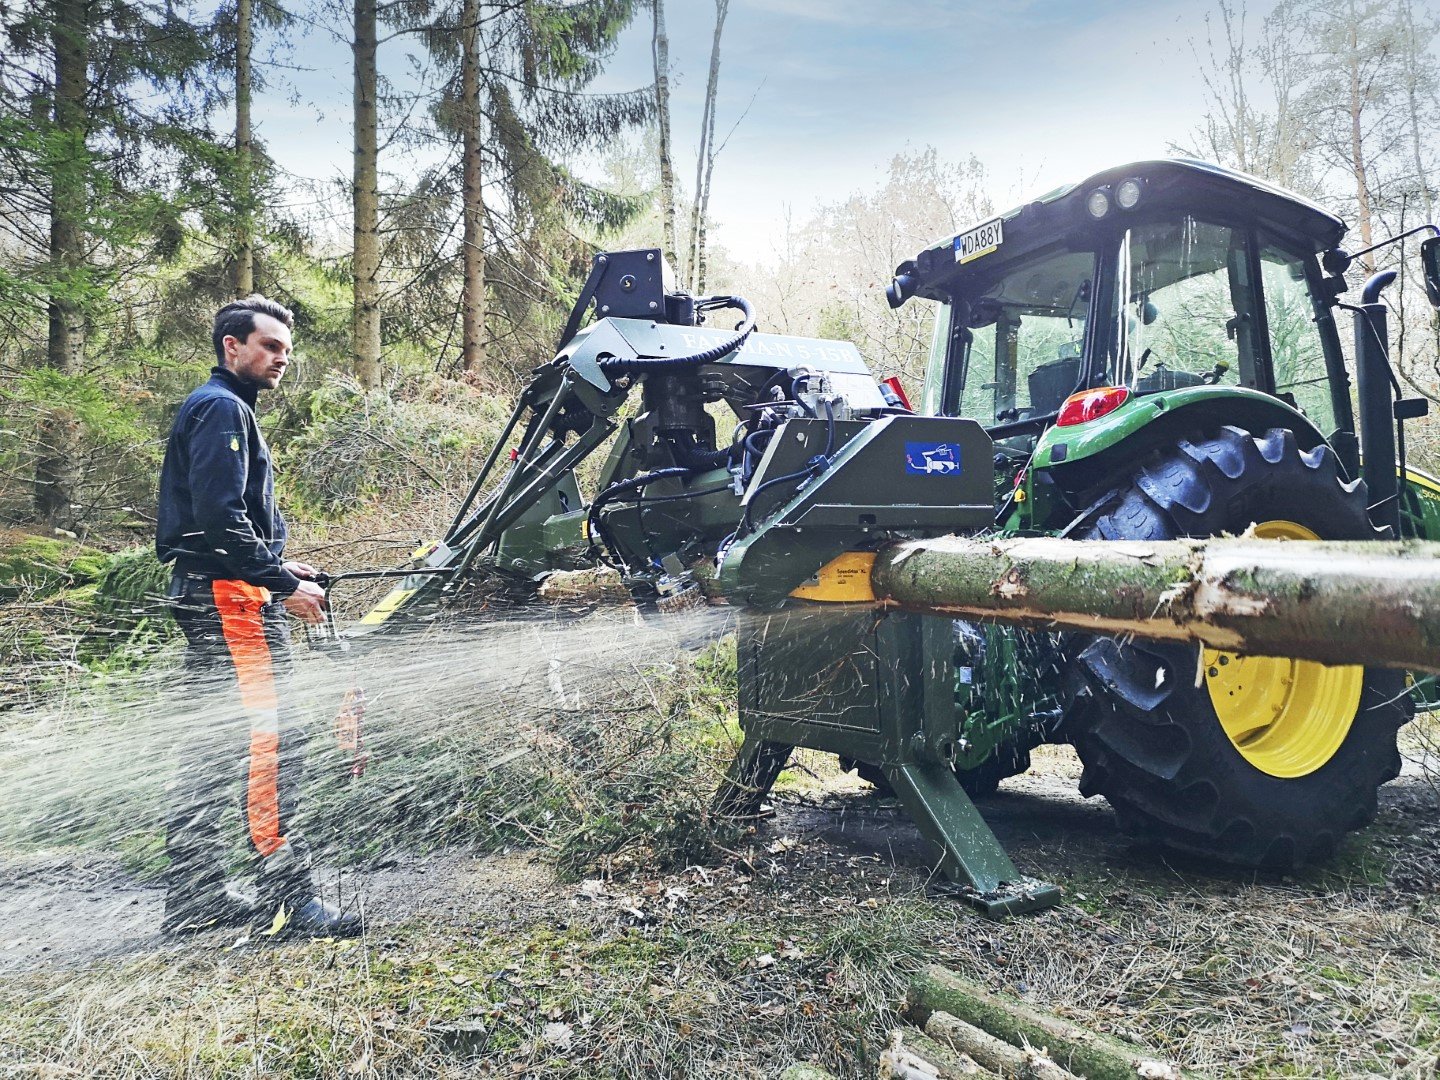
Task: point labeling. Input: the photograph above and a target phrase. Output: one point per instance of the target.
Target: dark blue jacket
(217, 490)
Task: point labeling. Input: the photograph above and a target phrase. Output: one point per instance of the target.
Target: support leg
(750, 777)
(973, 858)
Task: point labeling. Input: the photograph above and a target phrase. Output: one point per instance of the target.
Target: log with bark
(1335, 602)
(1084, 1053)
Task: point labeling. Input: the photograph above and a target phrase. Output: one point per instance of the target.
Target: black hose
(813, 467)
(593, 527)
(688, 454)
(622, 365)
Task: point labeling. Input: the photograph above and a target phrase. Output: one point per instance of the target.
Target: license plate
(980, 240)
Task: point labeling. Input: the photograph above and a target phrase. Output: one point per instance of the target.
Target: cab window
(1187, 303)
(1027, 331)
(1297, 350)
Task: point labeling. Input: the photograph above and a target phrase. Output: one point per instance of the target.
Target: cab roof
(1169, 186)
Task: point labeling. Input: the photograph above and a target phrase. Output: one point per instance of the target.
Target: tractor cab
(1151, 299)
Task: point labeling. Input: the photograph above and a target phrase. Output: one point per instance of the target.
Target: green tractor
(1155, 354)
(1148, 355)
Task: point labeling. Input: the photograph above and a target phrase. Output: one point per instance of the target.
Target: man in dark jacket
(231, 588)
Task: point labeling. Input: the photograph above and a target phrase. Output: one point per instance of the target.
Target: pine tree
(108, 90)
(517, 100)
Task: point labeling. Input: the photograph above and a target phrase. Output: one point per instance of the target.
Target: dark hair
(237, 319)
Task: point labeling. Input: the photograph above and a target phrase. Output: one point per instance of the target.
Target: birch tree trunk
(660, 50)
(1415, 57)
(57, 467)
(365, 321)
(472, 300)
(1357, 147)
(244, 152)
(702, 258)
(705, 159)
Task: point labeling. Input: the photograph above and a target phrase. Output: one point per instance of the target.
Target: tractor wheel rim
(1286, 717)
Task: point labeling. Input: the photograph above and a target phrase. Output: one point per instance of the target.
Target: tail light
(1089, 405)
(899, 391)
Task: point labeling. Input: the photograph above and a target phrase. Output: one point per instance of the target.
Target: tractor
(1150, 354)
(1155, 354)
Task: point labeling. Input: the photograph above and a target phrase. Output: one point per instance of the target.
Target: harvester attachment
(879, 687)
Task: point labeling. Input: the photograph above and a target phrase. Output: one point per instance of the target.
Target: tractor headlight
(1128, 193)
(1098, 204)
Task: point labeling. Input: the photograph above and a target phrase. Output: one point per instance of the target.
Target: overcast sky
(1044, 92)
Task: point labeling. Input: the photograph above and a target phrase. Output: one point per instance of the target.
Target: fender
(1079, 454)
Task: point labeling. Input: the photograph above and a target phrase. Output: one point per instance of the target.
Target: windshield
(1186, 299)
(1026, 337)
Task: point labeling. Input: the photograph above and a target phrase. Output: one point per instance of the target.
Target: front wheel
(1259, 761)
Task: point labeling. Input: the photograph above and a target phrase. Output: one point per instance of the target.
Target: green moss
(35, 567)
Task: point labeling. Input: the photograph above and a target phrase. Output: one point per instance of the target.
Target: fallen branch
(913, 1056)
(992, 1053)
(1338, 603)
(1084, 1053)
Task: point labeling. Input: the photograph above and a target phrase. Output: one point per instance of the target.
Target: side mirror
(1430, 260)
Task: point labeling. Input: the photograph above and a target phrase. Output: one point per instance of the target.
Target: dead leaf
(558, 1035)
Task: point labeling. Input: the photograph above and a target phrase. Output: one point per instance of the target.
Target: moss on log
(1084, 1053)
(1338, 603)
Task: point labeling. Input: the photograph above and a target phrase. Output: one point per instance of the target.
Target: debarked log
(993, 1053)
(1364, 602)
(912, 1055)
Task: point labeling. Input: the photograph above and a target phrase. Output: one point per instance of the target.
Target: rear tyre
(1253, 761)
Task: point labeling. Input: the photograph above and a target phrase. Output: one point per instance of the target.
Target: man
(231, 588)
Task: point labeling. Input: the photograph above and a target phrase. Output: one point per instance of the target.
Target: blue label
(932, 458)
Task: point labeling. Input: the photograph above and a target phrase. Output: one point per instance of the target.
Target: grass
(615, 1000)
(649, 944)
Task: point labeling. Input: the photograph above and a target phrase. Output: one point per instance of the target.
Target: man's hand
(304, 571)
(306, 603)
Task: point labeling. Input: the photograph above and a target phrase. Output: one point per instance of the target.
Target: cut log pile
(963, 1029)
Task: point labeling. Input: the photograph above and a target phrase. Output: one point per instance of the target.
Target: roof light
(1087, 405)
(1129, 192)
(1098, 203)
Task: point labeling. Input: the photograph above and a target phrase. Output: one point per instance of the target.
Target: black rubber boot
(212, 906)
(313, 918)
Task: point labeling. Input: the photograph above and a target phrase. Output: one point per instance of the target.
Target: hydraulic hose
(593, 527)
(625, 365)
(693, 457)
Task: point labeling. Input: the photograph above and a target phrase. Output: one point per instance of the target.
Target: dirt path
(58, 912)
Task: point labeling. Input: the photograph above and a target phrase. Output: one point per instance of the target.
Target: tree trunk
(660, 50)
(1415, 59)
(57, 467)
(705, 159)
(244, 153)
(1357, 148)
(1336, 602)
(913, 1055)
(365, 321)
(472, 300)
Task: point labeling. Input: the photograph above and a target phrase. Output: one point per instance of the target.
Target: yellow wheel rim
(1286, 717)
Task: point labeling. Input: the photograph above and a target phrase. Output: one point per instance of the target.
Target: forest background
(137, 194)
